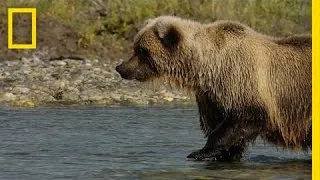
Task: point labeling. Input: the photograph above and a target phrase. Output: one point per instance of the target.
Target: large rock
(71, 96)
(23, 103)
(9, 97)
(43, 97)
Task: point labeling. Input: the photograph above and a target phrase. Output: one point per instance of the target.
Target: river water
(125, 143)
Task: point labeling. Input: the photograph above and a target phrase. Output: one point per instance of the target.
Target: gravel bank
(33, 82)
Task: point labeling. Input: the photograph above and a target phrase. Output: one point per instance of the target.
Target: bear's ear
(146, 22)
(169, 35)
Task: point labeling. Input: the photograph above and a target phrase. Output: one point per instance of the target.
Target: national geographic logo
(33, 13)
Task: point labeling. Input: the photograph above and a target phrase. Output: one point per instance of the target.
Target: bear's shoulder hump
(296, 40)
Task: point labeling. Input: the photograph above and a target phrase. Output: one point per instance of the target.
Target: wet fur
(246, 84)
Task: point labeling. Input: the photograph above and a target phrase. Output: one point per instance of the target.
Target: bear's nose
(124, 74)
(118, 69)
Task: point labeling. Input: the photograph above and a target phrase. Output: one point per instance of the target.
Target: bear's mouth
(126, 76)
(142, 79)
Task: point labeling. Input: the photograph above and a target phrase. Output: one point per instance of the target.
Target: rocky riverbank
(30, 82)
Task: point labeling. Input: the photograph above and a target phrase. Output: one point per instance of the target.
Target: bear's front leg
(234, 153)
(204, 153)
(227, 143)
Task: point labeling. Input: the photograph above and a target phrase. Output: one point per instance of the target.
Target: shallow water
(125, 143)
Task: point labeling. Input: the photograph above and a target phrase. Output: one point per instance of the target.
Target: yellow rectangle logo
(33, 12)
(315, 90)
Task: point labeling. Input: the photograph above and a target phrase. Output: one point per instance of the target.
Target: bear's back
(296, 41)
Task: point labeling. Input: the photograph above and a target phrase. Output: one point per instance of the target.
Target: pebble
(88, 64)
(97, 69)
(168, 98)
(95, 98)
(58, 63)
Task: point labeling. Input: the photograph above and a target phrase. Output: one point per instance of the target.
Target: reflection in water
(125, 142)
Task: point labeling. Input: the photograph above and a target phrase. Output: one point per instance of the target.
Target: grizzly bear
(246, 84)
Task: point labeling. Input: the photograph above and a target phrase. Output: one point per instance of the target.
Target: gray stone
(70, 96)
(12, 63)
(20, 90)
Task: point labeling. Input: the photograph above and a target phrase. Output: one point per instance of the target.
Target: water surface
(125, 143)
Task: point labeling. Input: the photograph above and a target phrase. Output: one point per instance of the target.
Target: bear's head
(164, 46)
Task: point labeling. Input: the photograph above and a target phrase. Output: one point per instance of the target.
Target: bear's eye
(142, 54)
(141, 51)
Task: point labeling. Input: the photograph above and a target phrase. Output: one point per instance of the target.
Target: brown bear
(246, 84)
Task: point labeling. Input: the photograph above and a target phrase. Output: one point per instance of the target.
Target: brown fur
(246, 84)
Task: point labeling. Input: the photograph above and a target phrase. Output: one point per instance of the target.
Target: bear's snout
(125, 74)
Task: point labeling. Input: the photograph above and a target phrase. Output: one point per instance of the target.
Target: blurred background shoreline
(79, 42)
